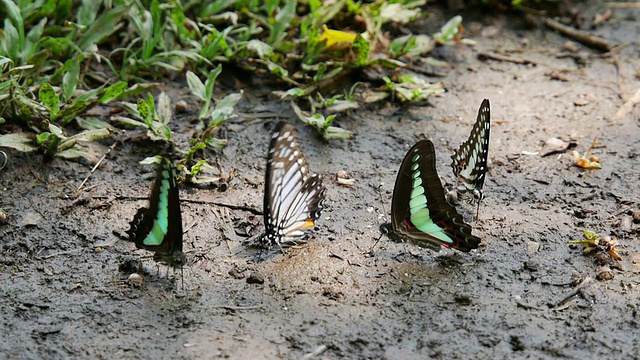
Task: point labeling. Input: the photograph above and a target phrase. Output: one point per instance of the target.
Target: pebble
(255, 279)
(636, 216)
(532, 264)
(625, 224)
(604, 273)
(135, 280)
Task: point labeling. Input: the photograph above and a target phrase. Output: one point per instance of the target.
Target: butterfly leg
(479, 195)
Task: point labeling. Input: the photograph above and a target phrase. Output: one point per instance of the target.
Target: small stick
(621, 5)
(96, 166)
(319, 350)
(6, 160)
(578, 35)
(484, 55)
(233, 307)
(578, 289)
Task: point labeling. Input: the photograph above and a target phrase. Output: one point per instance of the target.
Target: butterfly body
(159, 227)
(419, 212)
(292, 196)
(469, 161)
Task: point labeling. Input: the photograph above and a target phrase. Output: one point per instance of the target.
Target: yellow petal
(336, 39)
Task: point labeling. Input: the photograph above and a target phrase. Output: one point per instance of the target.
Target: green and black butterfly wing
(292, 194)
(419, 212)
(469, 162)
(159, 227)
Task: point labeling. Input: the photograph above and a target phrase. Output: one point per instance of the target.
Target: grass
(59, 59)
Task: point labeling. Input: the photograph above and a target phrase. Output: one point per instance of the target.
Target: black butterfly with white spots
(470, 160)
(292, 195)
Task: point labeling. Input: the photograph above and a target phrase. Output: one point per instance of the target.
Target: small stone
(182, 106)
(255, 279)
(532, 265)
(532, 247)
(3, 217)
(237, 273)
(625, 224)
(31, 219)
(636, 216)
(570, 46)
(135, 280)
(604, 273)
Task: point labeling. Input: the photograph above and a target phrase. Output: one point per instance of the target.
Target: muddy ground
(62, 275)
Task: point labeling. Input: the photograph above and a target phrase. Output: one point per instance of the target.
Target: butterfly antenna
(384, 211)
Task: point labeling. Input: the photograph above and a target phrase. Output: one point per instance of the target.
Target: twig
(484, 56)
(230, 206)
(96, 166)
(621, 5)
(319, 350)
(578, 289)
(6, 160)
(233, 307)
(68, 252)
(628, 105)
(578, 35)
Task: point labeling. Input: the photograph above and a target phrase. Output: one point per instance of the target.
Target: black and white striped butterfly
(292, 195)
(470, 160)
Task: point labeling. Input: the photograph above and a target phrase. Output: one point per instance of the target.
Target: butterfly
(159, 227)
(470, 160)
(292, 195)
(419, 212)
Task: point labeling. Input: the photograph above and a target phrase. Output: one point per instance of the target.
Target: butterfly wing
(419, 211)
(292, 197)
(470, 160)
(159, 227)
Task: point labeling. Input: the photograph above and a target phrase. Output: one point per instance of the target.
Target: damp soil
(525, 293)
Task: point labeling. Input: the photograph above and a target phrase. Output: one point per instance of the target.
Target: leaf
(92, 123)
(128, 122)
(281, 22)
(145, 112)
(50, 100)
(11, 45)
(196, 86)
(104, 26)
(361, 48)
(152, 160)
(399, 13)
(138, 89)
(91, 135)
(164, 108)
(71, 77)
(88, 11)
(261, 49)
(21, 142)
(82, 151)
(113, 92)
(211, 81)
(448, 31)
(14, 30)
(195, 169)
(224, 108)
(322, 125)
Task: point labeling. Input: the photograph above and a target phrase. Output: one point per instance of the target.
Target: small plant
(592, 242)
(212, 116)
(323, 125)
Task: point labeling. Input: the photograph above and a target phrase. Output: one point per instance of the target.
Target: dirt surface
(63, 266)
